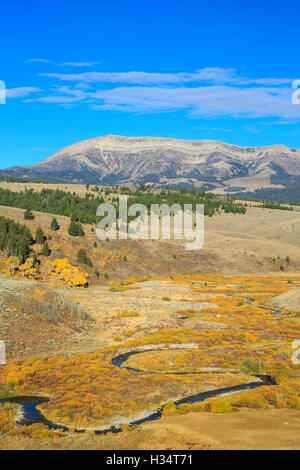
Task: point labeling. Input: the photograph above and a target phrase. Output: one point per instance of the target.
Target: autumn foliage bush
(62, 269)
(14, 266)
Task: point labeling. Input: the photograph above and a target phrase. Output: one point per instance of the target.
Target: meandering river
(29, 414)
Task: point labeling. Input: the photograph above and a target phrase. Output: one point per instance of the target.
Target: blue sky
(185, 69)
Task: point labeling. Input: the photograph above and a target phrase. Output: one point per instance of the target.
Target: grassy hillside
(61, 337)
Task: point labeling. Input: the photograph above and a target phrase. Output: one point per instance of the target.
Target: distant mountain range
(205, 164)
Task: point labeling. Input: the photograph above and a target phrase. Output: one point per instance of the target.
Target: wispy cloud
(21, 92)
(209, 92)
(63, 95)
(43, 61)
(216, 101)
(213, 75)
(80, 64)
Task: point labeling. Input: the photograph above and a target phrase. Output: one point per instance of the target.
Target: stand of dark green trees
(83, 209)
(15, 239)
(75, 229)
(54, 202)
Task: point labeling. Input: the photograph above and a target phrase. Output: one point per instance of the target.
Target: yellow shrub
(220, 405)
(71, 275)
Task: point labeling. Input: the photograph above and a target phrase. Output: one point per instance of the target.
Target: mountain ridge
(205, 164)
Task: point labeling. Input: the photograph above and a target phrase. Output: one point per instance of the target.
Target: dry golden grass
(177, 304)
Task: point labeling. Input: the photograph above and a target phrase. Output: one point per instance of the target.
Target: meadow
(65, 317)
(88, 391)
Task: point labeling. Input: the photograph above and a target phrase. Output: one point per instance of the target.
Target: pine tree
(45, 251)
(39, 236)
(22, 249)
(82, 258)
(28, 215)
(35, 259)
(27, 234)
(80, 231)
(74, 217)
(11, 246)
(75, 229)
(89, 262)
(15, 238)
(72, 230)
(54, 225)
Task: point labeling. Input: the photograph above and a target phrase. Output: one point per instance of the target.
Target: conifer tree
(35, 259)
(82, 258)
(54, 225)
(15, 238)
(39, 236)
(22, 249)
(28, 215)
(75, 229)
(27, 234)
(80, 231)
(45, 250)
(74, 217)
(72, 230)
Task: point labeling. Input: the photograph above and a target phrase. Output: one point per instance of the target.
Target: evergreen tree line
(15, 238)
(275, 205)
(212, 204)
(15, 179)
(83, 209)
(55, 202)
(290, 194)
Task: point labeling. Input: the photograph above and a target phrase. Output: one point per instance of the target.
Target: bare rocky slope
(288, 300)
(208, 164)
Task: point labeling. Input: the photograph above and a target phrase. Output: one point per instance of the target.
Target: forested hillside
(84, 208)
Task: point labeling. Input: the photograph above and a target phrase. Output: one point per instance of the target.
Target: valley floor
(61, 340)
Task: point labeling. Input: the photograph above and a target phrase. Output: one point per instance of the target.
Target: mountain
(206, 164)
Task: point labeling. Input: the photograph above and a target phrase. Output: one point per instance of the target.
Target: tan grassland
(157, 293)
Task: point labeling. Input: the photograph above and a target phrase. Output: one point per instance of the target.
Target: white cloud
(213, 75)
(21, 91)
(215, 100)
(80, 64)
(43, 61)
(210, 92)
(216, 75)
(64, 95)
